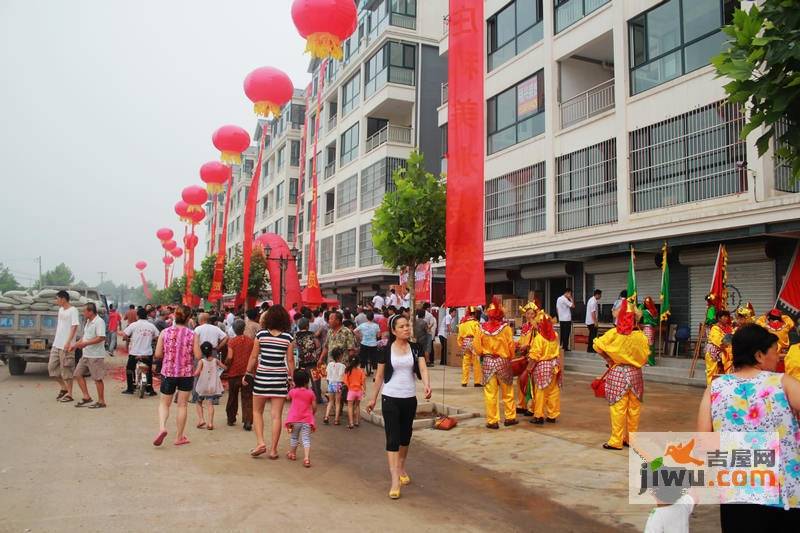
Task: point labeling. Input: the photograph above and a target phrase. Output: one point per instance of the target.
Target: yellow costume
(780, 328)
(495, 345)
(718, 355)
(545, 352)
(467, 330)
(792, 362)
(628, 350)
(527, 334)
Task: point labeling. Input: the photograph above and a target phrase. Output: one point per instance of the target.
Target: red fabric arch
(279, 249)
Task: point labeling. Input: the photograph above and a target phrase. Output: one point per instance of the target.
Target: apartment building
(605, 128)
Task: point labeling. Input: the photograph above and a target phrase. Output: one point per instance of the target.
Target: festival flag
(719, 290)
(250, 216)
(632, 290)
(664, 295)
(145, 287)
(789, 295)
(215, 293)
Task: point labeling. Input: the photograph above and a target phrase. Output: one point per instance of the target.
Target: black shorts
(398, 420)
(168, 385)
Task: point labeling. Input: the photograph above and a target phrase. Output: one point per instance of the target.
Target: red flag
(215, 293)
(302, 179)
(789, 295)
(250, 218)
(423, 281)
(465, 279)
(719, 289)
(147, 293)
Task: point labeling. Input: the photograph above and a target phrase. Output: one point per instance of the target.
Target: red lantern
(176, 252)
(195, 196)
(168, 259)
(269, 89)
(215, 175)
(231, 141)
(325, 24)
(182, 210)
(169, 245)
(196, 216)
(164, 234)
(190, 241)
(141, 265)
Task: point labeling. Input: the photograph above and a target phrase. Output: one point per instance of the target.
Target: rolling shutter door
(648, 283)
(753, 282)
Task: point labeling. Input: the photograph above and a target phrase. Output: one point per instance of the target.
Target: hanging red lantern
(269, 89)
(231, 141)
(176, 252)
(325, 24)
(196, 216)
(169, 245)
(164, 234)
(195, 196)
(168, 259)
(215, 175)
(141, 265)
(190, 241)
(182, 210)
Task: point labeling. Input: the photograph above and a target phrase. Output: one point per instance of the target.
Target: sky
(106, 113)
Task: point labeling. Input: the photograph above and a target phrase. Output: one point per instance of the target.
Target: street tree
(234, 270)
(7, 280)
(763, 62)
(201, 282)
(136, 295)
(61, 275)
(408, 226)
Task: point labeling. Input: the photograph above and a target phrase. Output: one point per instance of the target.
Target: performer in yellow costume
(546, 368)
(467, 330)
(779, 325)
(718, 355)
(527, 333)
(625, 351)
(495, 345)
(745, 314)
(792, 362)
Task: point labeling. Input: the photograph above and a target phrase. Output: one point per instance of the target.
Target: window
(279, 226)
(675, 38)
(305, 260)
(513, 30)
(516, 114)
(568, 12)
(350, 93)
(329, 205)
(294, 155)
(515, 203)
(443, 134)
(326, 255)
(347, 196)
(291, 221)
(348, 146)
(395, 63)
(688, 158)
(346, 249)
(293, 186)
(280, 157)
(586, 186)
(298, 115)
(279, 195)
(264, 205)
(376, 180)
(367, 256)
(247, 169)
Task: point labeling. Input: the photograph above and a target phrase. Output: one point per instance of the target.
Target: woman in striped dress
(269, 370)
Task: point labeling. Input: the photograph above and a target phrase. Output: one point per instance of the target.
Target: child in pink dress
(300, 420)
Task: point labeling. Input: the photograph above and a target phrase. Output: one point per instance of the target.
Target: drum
(518, 365)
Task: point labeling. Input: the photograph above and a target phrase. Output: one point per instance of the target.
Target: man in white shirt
(93, 359)
(592, 318)
(140, 336)
(62, 355)
(229, 318)
(564, 306)
(206, 332)
(393, 298)
(378, 301)
(445, 323)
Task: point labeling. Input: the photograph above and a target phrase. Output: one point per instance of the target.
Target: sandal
(96, 405)
(258, 450)
(201, 425)
(84, 402)
(307, 463)
(291, 456)
(274, 456)
(335, 422)
(183, 440)
(210, 427)
(66, 398)
(326, 421)
(160, 438)
(61, 394)
(349, 426)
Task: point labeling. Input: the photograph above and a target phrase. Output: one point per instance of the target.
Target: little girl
(355, 381)
(209, 384)
(335, 372)
(300, 420)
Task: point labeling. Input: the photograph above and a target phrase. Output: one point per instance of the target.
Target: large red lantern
(196, 216)
(141, 265)
(190, 241)
(176, 252)
(164, 234)
(325, 24)
(215, 175)
(269, 89)
(231, 141)
(169, 245)
(182, 210)
(195, 196)
(168, 259)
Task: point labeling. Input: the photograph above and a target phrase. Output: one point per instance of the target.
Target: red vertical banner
(145, 288)
(215, 293)
(313, 294)
(423, 282)
(789, 295)
(302, 180)
(465, 279)
(250, 217)
(213, 223)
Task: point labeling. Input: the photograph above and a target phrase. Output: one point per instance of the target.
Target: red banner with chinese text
(145, 288)
(465, 279)
(250, 217)
(301, 188)
(423, 281)
(215, 293)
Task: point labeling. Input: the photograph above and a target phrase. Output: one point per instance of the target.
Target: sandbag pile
(43, 300)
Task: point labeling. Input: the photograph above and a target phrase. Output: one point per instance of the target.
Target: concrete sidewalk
(565, 462)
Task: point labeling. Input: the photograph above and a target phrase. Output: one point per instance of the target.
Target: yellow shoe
(394, 494)
(405, 480)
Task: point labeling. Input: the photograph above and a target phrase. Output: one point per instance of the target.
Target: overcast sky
(106, 113)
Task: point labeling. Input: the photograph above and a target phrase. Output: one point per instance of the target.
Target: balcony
(391, 134)
(330, 169)
(587, 104)
(390, 74)
(328, 217)
(444, 93)
(571, 11)
(332, 123)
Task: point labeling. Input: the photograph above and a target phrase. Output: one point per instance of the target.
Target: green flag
(632, 292)
(665, 310)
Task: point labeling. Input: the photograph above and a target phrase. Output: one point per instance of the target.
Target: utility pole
(102, 275)
(39, 260)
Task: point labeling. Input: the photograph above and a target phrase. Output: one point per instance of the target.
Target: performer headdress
(495, 309)
(746, 311)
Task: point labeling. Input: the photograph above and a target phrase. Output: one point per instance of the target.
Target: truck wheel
(16, 366)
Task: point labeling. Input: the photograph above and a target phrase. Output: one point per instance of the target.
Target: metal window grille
(346, 249)
(783, 170)
(326, 255)
(347, 196)
(689, 158)
(376, 180)
(516, 203)
(587, 187)
(367, 255)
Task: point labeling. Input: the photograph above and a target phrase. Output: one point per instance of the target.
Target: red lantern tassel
(323, 45)
(231, 158)
(264, 108)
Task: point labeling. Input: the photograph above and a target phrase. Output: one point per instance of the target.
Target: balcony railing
(329, 217)
(390, 134)
(587, 104)
(444, 93)
(331, 123)
(330, 169)
(568, 13)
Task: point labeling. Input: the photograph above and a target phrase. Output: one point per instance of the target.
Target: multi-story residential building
(605, 128)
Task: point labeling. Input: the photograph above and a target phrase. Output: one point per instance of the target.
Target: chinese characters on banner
(250, 217)
(465, 279)
(215, 293)
(423, 282)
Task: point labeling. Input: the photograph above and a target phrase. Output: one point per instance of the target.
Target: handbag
(598, 385)
(445, 423)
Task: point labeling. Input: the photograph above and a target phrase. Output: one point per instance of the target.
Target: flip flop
(201, 425)
(209, 427)
(97, 405)
(183, 440)
(61, 394)
(307, 463)
(66, 399)
(83, 402)
(160, 438)
(273, 457)
(258, 450)
(291, 456)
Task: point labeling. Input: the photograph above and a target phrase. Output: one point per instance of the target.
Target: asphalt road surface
(68, 469)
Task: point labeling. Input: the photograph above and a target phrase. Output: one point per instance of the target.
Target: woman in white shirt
(402, 361)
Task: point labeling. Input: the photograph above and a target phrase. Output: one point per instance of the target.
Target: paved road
(68, 469)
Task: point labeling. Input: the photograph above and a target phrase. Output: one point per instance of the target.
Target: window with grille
(346, 249)
(586, 187)
(326, 255)
(279, 195)
(291, 220)
(376, 180)
(293, 186)
(367, 255)
(294, 156)
(347, 196)
(348, 146)
(516, 203)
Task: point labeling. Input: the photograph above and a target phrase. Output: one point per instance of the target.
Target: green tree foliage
(763, 62)
(258, 273)
(136, 294)
(172, 294)
(408, 226)
(7, 280)
(60, 275)
(201, 282)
